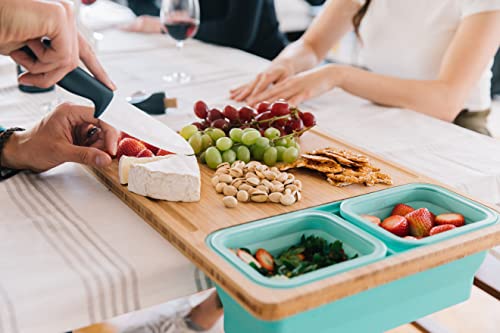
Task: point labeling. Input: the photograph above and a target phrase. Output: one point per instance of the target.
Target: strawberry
(162, 152)
(371, 218)
(441, 228)
(153, 149)
(457, 220)
(265, 259)
(145, 153)
(402, 209)
(420, 222)
(433, 217)
(129, 147)
(247, 258)
(396, 224)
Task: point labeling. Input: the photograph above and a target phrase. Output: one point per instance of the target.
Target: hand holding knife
(114, 109)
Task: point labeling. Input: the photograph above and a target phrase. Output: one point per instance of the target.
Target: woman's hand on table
(301, 87)
(145, 24)
(68, 134)
(275, 74)
(26, 22)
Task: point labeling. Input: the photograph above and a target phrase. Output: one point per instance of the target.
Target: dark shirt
(495, 79)
(249, 25)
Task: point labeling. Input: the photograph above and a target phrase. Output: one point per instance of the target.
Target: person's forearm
(298, 57)
(326, 30)
(432, 97)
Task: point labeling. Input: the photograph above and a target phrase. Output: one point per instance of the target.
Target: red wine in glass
(181, 30)
(180, 19)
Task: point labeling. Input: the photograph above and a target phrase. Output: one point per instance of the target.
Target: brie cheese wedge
(173, 178)
(126, 163)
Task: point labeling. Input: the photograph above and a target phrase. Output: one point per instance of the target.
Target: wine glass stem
(179, 45)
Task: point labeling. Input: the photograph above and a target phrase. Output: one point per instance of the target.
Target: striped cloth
(68, 259)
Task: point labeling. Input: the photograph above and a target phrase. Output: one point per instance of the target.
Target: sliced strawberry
(247, 258)
(441, 228)
(145, 153)
(265, 259)
(162, 152)
(457, 220)
(402, 209)
(420, 222)
(371, 218)
(129, 147)
(410, 238)
(153, 149)
(398, 225)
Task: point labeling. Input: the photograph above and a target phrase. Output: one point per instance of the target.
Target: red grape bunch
(280, 115)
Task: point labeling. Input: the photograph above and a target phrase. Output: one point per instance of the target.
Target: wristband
(5, 135)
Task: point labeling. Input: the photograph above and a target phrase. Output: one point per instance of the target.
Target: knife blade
(117, 112)
(114, 109)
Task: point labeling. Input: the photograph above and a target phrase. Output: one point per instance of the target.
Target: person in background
(250, 26)
(432, 57)
(70, 133)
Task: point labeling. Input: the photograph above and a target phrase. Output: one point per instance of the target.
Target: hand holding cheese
(171, 177)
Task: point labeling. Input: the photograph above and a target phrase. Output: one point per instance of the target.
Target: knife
(116, 111)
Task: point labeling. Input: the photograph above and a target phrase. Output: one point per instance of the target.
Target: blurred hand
(68, 134)
(300, 87)
(145, 24)
(25, 22)
(275, 74)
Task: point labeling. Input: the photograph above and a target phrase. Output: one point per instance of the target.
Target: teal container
(279, 233)
(373, 311)
(436, 198)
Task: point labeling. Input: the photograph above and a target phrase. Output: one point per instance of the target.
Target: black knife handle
(81, 83)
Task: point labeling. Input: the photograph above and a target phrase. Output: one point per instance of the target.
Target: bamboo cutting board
(186, 226)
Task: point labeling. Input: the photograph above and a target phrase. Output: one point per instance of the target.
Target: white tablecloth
(72, 254)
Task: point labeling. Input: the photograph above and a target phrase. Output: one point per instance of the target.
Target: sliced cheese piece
(126, 163)
(174, 178)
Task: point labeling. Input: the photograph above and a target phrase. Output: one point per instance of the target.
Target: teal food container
(279, 233)
(375, 310)
(435, 198)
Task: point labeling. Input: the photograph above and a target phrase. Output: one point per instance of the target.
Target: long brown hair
(358, 17)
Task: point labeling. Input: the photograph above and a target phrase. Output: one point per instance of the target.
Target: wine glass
(180, 19)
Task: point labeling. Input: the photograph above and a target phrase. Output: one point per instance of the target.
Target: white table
(72, 254)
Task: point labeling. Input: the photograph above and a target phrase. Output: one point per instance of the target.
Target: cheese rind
(174, 178)
(126, 163)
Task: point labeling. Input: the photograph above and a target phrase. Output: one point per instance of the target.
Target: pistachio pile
(255, 182)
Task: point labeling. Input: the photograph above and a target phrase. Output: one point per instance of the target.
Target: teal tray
(436, 198)
(373, 311)
(279, 233)
(390, 305)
